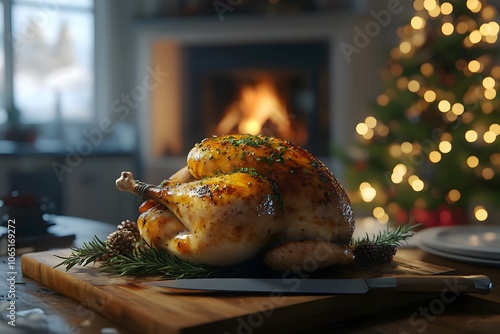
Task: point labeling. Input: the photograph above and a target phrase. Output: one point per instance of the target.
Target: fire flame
(258, 106)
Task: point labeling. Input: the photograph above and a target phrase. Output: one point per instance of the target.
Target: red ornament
(427, 218)
(442, 216)
(449, 215)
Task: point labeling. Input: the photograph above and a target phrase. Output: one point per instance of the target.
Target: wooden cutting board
(146, 309)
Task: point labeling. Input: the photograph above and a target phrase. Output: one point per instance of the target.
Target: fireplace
(216, 70)
(277, 89)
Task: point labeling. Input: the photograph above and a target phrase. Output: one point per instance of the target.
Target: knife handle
(470, 284)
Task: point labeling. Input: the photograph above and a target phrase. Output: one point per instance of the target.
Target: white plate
(461, 258)
(472, 241)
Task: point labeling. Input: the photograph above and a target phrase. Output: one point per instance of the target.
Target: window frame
(8, 94)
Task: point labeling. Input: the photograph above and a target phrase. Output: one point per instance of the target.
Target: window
(47, 62)
(3, 113)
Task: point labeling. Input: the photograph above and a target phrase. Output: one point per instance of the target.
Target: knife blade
(466, 284)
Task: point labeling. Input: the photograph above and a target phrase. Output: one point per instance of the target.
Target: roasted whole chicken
(242, 195)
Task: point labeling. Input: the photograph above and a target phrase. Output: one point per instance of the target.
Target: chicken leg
(221, 220)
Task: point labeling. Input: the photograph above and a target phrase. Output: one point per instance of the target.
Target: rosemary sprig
(152, 261)
(90, 252)
(144, 261)
(147, 260)
(388, 237)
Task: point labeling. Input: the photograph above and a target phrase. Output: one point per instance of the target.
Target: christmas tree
(430, 151)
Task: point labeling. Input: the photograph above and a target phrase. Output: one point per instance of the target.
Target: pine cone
(367, 254)
(121, 242)
(131, 226)
(385, 254)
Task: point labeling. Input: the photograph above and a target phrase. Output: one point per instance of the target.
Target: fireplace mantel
(251, 28)
(347, 79)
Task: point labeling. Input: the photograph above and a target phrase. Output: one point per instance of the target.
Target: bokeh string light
(458, 101)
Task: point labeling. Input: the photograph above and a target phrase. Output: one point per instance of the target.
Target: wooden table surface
(465, 314)
(444, 314)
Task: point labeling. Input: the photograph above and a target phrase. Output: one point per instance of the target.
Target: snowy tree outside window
(52, 59)
(3, 112)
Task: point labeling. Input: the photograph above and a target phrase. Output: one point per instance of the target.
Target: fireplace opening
(256, 102)
(272, 89)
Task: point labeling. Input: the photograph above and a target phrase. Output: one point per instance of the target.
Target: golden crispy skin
(315, 204)
(239, 195)
(221, 220)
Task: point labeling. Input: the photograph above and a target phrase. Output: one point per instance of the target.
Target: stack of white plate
(478, 244)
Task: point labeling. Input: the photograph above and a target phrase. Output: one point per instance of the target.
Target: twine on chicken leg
(127, 183)
(140, 191)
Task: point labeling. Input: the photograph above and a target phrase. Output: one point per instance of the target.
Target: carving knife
(292, 285)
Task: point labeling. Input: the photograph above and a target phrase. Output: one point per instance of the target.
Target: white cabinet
(90, 191)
